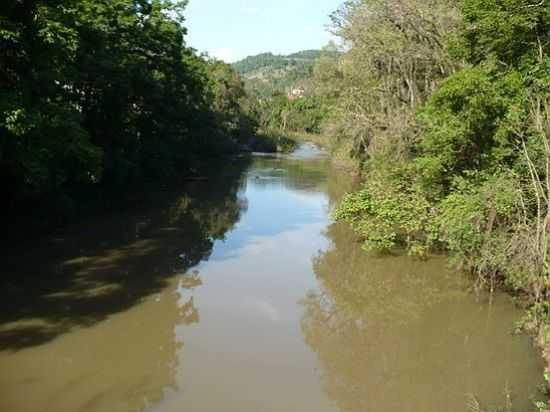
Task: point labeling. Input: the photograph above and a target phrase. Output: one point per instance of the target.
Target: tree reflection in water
(392, 333)
(109, 265)
(97, 307)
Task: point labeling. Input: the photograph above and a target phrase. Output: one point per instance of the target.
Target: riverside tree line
(445, 107)
(105, 93)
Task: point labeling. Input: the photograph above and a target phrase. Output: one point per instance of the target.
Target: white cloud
(267, 310)
(226, 54)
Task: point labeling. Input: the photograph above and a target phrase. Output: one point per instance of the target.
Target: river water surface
(240, 295)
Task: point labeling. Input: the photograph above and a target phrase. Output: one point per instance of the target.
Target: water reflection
(109, 265)
(247, 353)
(284, 192)
(199, 301)
(121, 364)
(392, 333)
(87, 319)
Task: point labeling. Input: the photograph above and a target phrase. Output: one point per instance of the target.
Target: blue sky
(233, 29)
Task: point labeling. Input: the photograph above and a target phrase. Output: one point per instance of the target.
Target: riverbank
(73, 204)
(339, 154)
(55, 212)
(387, 218)
(271, 141)
(538, 328)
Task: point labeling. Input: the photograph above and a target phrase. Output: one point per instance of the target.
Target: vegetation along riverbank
(444, 106)
(100, 96)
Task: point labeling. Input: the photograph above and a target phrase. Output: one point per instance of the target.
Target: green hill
(267, 73)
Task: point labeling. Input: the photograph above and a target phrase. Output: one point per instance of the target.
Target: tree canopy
(107, 92)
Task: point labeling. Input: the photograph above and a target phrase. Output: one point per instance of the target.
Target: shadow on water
(108, 265)
(381, 333)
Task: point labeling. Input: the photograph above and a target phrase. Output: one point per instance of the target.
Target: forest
(100, 95)
(304, 59)
(266, 75)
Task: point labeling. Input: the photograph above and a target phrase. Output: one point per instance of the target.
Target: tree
(106, 93)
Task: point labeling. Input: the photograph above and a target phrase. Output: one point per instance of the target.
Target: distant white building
(296, 93)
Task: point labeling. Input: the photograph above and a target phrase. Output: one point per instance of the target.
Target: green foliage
(231, 108)
(464, 123)
(106, 92)
(541, 405)
(305, 55)
(303, 114)
(465, 159)
(306, 114)
(271, 80)
(473, 218)
(267, 74)
(507, 31)
(271, 107)
(396, 59)
(328, 76)
(252, 63)
(388, 212)
(459, 98)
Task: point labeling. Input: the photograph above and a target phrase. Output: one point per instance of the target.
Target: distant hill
(276, 61)
(306, 54)
(267, 73)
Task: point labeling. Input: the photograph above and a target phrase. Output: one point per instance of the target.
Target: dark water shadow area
(107, 265)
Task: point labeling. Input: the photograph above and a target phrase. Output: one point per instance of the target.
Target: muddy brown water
(239, 294)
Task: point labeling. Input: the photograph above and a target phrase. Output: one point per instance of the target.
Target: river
(238, 293)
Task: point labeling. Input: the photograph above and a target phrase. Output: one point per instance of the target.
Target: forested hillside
(267, 74)
(249, 64)
(283, 90)
(98, 93)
